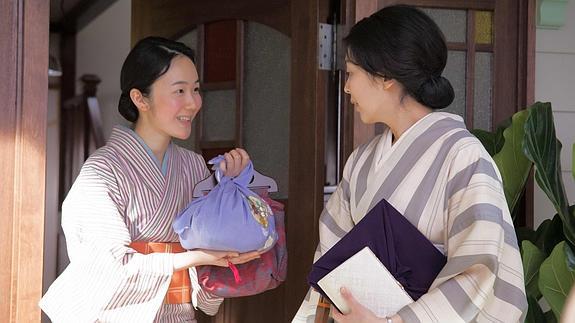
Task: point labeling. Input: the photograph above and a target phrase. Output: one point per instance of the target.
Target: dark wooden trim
(239, 82)
(347, 115)
(306, 168)
(81, 15)
(505, 44)
(362, 132)
(456, 46)
(205, 144)
(169, 18)
(67, 91)
(218, 86)
(526, 53)
(447, 4)
(463, 47)
(526, 90)
(24, 92)
(470, 69)
(484, 48)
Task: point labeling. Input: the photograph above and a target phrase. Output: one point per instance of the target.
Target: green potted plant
(528, 139)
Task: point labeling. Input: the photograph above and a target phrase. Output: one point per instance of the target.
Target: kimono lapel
(138, 158)
(170, 198)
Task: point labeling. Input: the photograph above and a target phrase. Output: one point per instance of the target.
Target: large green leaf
(525, 233)
(532, 258)
(549, 317)
(534, 312)
(568, 250)
(549, 234)
(543, 149)
(511, 162)
(555, 279)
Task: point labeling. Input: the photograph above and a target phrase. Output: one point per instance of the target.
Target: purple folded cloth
(408, 255)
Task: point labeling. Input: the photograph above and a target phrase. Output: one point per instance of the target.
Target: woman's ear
(139, 100)
(387, 83)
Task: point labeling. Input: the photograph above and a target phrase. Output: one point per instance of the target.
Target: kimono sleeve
(483, 278)
(105, 280)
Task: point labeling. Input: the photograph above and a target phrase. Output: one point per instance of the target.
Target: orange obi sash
(180, 288)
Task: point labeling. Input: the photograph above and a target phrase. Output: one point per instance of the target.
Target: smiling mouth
(184, 118)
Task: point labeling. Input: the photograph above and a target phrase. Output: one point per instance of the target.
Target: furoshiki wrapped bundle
(407, 254)
(230, 217)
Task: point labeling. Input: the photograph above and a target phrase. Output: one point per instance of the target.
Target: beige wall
(555, 82)
(101, 48)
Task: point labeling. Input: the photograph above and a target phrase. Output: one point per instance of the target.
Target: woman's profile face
(175, 99)
(366, 93)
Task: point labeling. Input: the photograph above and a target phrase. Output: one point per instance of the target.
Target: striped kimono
(442, 180)
(121, 195)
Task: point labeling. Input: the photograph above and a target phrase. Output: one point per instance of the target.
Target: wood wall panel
(171, 18)
(24, 91)
(307, 141)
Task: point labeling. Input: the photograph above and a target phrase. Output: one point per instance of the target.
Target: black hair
(147, 61)
(403, 43)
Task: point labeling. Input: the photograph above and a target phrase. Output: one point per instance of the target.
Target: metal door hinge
(330, 53)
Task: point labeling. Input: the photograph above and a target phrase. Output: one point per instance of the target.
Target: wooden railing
(80, 132)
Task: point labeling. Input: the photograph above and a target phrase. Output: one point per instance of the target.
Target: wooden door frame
(299, 19)
(309, 88)
(24, 92)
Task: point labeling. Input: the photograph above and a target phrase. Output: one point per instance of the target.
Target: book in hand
(370, 283)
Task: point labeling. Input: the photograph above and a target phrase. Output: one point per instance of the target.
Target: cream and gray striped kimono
(122, 195)
(443, 181)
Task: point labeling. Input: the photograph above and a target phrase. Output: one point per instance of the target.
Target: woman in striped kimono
(431, 169)
(118, 215)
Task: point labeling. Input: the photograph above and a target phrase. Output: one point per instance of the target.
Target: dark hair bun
(127, 108)
(436, 92)
(403, 43)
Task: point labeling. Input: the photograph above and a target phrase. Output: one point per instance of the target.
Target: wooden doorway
(24, 91)
(298, 20)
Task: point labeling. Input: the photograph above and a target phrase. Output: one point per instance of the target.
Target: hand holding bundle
(230, 217)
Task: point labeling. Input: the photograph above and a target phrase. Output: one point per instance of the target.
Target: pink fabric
(258, 275)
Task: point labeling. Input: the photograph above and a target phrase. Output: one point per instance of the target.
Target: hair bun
(436, 92)
(127, 108)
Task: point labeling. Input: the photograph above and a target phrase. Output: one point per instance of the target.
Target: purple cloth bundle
(408, 255)
(230, 217)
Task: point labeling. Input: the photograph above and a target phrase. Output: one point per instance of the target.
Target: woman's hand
(200, 257)
(357, 312)
(235, 161)
(244, 257)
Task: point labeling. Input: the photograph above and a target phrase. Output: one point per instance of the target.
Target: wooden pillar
(307, 141)
(24, 92)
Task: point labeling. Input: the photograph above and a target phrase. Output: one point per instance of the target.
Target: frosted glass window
(482, 91)
(267, 101)
(455, 73)
(190, 39)
(219, 115)
(453, 23)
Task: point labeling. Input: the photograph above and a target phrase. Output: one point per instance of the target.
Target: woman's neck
(408, 114)
(157, 142)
